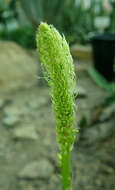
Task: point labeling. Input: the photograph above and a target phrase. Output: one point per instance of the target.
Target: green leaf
(101, 81)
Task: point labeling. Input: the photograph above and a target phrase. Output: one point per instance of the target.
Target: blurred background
(28, 147)
(75, 18)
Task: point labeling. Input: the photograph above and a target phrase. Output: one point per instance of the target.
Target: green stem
(66, 173)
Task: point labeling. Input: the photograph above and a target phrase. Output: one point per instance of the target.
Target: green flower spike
(59, 72)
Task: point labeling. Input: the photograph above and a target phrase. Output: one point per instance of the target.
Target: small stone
(35, 104)
(25, 133)
(109, 170)
(108, 112)
(13, 110)
(12, 116)
(11, 120)
(99, 132)
(38, 169)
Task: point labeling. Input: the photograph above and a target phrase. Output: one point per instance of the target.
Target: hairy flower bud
(58, 69)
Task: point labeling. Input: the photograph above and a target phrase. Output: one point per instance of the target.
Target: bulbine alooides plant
(59, 72)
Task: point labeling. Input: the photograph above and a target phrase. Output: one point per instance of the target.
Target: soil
(93, 165)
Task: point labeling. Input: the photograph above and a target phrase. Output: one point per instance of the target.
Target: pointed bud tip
(44, 27)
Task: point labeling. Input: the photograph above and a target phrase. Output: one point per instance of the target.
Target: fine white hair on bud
(59, 72)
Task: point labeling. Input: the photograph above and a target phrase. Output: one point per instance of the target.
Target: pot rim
(104, 37)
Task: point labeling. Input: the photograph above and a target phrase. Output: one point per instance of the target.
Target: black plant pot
(104, 54)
